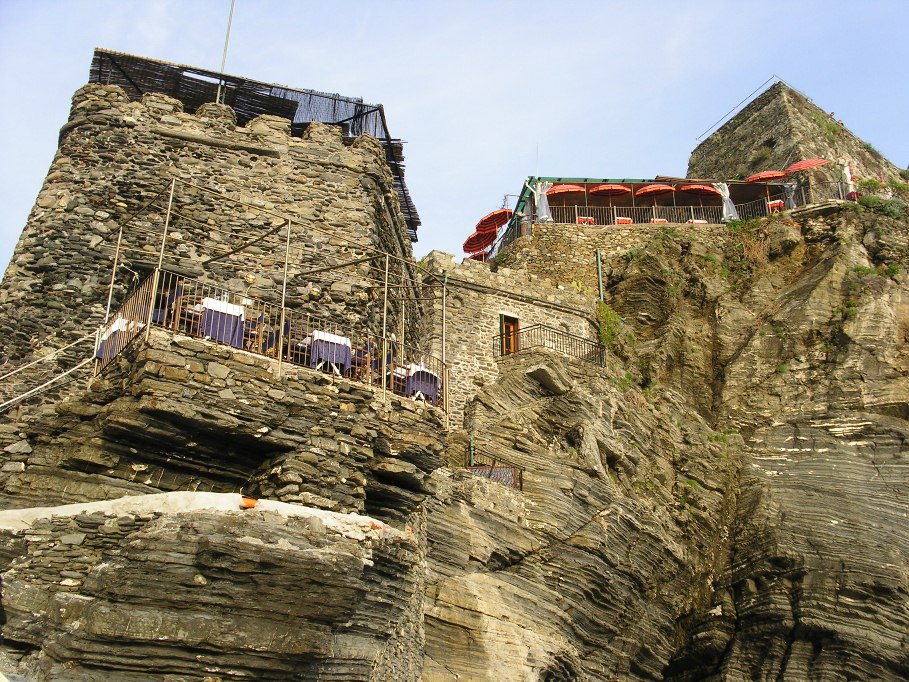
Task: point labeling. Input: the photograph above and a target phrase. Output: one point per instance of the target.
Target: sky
(484, 93)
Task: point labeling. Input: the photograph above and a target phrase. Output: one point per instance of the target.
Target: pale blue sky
(483, 92)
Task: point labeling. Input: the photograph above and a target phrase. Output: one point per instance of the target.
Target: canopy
(494, 220)
(703, 190)
(806, 164)
(479, 241)
(656, 188)
(481, 256)
(564, 189)
(609, 190)
(767, 176)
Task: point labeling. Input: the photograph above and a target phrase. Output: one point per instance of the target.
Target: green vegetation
(828, 126)
(868, 147)
(609, 323)
(782, 368)
(870, 185)
(893, 208)
(889, 270)
(898, 187)
(904, 174)
(633, 253)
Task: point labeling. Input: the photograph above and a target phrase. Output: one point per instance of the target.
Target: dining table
(329, 349)
(221, 321)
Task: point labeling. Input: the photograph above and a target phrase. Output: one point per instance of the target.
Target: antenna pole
(230, 18)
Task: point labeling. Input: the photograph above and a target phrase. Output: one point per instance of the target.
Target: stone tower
(779, 127)
(341, 191)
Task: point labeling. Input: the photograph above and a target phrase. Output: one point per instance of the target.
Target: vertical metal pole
(154, 290)
(385, 334)
(600, 273)
(280, 350)
(110, 295)
(230, 18)
(444, 313)
(170, 203)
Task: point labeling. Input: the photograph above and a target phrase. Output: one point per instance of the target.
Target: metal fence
(627, 215)
(541, 336)
(216, 314)
(618, 215)
(496, 469)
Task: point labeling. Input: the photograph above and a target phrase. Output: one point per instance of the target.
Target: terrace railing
(496, 469)
(218, 315)
(541, 336)
(613, 215)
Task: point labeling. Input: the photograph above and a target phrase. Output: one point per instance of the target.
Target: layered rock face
(726, 500)
(185, 586)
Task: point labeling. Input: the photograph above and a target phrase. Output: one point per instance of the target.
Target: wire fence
(228, 318)
(541, 336)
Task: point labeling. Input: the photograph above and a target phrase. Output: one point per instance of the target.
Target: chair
(375, 365)
(252, 333)
(271, 340)
(361, 360)
(165, 314)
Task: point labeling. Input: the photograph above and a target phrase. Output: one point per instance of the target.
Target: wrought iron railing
(220, 316)
(496, 469)
(541, 336)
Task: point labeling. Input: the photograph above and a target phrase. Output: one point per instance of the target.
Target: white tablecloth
(223, 307)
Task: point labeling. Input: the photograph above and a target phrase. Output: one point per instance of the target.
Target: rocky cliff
(724, 500)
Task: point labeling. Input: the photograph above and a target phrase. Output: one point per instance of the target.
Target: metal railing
(123, 327)
(541, 336)
(496, 469)
(223, 317)
(613, 215)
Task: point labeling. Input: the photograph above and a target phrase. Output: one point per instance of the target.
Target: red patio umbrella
(767, 176)
(481, 256)
(654, 190)
(494, 220)
(479, 241)
(610, 190)
(701, 191)
(806, 164)
(564, 189)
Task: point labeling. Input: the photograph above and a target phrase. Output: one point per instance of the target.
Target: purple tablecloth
(338, 354)
(222, 327)
(423, 382)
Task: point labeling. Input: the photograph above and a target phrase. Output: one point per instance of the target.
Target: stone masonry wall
(566, 254)
(778, 128)
(115, 156)
(477, 297)
(182, 414)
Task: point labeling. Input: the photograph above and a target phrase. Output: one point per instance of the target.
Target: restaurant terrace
(629, 201)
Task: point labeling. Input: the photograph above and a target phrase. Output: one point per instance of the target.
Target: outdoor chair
(165, 314)
(271, 340)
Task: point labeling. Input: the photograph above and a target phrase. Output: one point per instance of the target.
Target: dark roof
(249, 98)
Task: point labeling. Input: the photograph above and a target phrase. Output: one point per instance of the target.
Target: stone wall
(183, 414)
(566, 254)
(189, 586)
(477, 298)
(778, 128)
(116, 156)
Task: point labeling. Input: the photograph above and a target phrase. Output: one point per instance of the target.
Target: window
(510, 337)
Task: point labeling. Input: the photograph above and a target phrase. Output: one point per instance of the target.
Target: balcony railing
(496, 469)
(623, 215)
(218, 315)
(541, 336)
